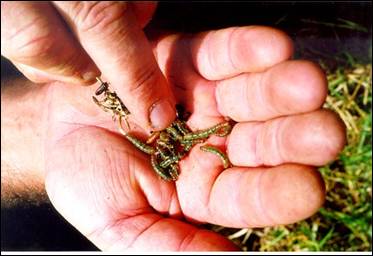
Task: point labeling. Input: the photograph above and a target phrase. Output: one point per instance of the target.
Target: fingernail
(162, 114)
(89, 77)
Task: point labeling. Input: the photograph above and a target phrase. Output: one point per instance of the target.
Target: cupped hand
(107, 189)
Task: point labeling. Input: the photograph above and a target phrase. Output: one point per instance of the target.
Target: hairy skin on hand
(23, 115)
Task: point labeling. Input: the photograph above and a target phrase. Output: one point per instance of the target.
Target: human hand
(72, 41)
(107, 189)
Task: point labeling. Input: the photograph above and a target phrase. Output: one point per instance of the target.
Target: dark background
(39, 227)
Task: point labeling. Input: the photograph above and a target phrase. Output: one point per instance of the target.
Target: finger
(144, 12)
(288, 88)
(33, 34)
(40, 76)
(314, 139)
(111, 36)
(228, 52)
(98, 193)
(242, 197)
(249, 197)
(33, 74)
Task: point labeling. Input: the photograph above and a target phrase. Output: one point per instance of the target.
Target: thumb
(111, 35)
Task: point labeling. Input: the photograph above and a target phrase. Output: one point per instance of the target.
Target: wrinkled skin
(107, 189)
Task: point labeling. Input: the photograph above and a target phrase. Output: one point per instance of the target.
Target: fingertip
(301, 86)
(268, 46)
(290, 193)
(162, 114)
(315, 138)
(328, 136)
(339, 140)
(89, 77)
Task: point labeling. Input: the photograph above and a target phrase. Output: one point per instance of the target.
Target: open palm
(107, 189)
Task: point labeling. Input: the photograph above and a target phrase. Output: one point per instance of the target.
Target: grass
(342, 23)
(345, 221)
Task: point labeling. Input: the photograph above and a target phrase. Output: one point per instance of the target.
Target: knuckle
(97, 16)
(143, 80)
(232, 47)
(33, 39)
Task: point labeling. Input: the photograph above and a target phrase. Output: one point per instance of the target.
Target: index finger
(228, 52)
(112, 37)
